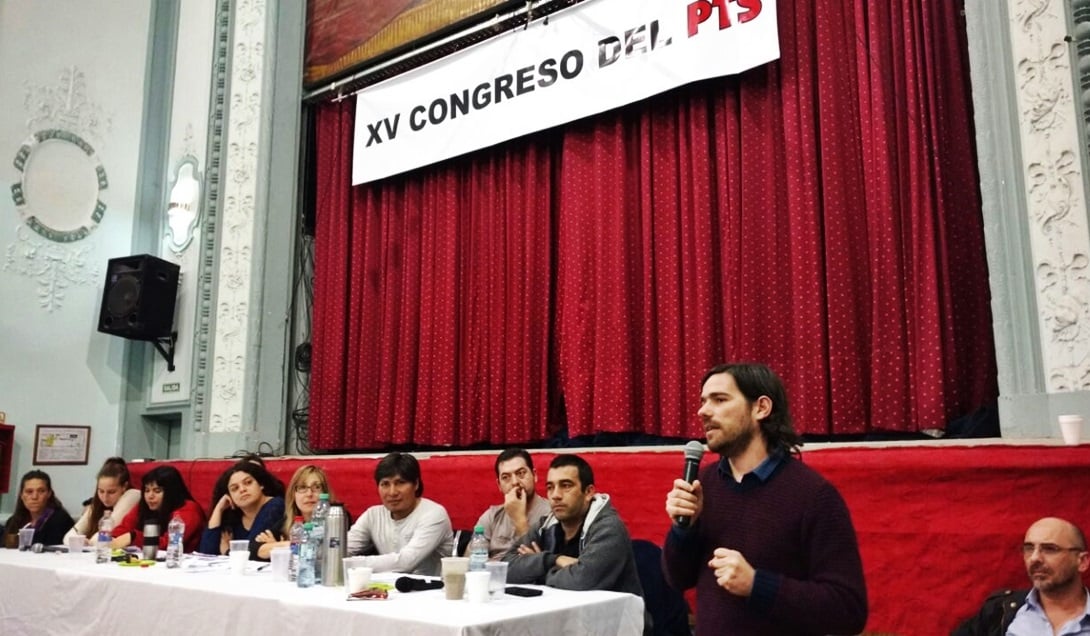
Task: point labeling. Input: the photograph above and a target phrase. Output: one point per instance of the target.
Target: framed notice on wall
(56, 444)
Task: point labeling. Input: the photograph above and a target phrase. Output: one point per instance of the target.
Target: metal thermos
(151, 540)
(336, 537)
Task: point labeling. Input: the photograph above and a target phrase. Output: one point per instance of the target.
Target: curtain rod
(359, 80)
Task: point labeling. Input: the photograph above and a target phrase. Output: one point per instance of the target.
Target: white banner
(587, 59)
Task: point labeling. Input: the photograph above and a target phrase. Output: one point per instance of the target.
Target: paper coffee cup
(1071, 428)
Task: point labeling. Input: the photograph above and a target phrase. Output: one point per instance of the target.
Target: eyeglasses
(1047, 549)
(316, 489)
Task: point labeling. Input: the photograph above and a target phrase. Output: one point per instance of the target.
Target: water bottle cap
(324, 496)
(478, 529)
(299, 518)
(308, 525)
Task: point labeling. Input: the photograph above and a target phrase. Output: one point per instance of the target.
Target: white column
(235, 268)
(1052, 162)
(1033, 187)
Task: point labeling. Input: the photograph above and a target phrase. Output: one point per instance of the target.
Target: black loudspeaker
(139, 298)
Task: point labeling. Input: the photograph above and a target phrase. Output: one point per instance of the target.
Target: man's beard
(1056, 583)
(734, 447)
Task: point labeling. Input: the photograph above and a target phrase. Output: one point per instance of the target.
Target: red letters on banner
(701, 10)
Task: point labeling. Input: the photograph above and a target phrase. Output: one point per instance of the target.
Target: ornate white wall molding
(240, 168)
(58, 193)
(54, 266)
(65, 104)
(1056, 200)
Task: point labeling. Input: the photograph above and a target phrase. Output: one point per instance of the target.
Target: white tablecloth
(52, 593)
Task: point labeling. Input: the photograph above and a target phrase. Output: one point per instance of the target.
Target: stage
(940, 524)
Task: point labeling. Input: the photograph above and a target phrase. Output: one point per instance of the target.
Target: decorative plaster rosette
(70, 200)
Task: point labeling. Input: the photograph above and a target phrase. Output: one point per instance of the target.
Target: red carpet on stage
(939, 526)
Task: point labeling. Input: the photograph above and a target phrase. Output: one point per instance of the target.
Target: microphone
(409, 584)
(694, 451)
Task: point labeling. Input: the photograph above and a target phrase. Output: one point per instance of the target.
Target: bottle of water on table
(478, 550)
(317, 519)
(175, 536)
(308, 549)
(297, 537)
(105, 535)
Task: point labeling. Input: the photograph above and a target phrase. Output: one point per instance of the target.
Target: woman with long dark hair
(275, 487)
(38, 508)
(113, 492)
(247, 509)
(165, 494)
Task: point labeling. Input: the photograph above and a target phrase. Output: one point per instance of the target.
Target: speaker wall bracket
(165, 346)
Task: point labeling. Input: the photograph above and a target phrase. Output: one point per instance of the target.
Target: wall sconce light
(184, 206)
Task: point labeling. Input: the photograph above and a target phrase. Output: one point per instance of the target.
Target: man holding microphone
(768, 542)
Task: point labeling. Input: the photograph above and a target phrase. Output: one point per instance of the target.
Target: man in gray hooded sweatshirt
(582, 544)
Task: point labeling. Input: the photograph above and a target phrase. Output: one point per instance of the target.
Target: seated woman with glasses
(306, 484)
(247, 510)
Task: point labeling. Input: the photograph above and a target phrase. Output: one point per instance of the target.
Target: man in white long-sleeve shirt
(407, 533)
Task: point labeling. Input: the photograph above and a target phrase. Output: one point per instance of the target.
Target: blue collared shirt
(1031, 620)
(759, 475)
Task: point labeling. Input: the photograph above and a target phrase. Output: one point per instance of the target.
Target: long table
(58, 593)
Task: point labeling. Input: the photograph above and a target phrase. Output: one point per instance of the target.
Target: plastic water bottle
(308, 549)
(175, 535)
(297, 536)
(317, 519)
(478, 550)
(105, 535)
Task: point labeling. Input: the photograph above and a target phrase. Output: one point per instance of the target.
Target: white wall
(58, 368)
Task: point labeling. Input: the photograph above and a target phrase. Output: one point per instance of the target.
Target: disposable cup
(1071, 428)
(238, 563)
(347, 564)
(76, 543)
(26, 537)
(477, 586)
(497, 581)
(357, 578)
(240, 555)
(454, 577)
(281, 564)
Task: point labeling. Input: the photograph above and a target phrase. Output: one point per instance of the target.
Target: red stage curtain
(432, 299)
(819, 213)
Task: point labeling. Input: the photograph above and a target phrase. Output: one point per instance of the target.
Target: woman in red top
(165, 495)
